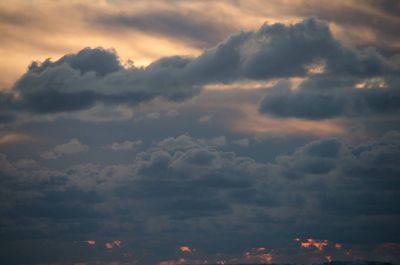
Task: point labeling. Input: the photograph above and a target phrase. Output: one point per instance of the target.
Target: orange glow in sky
(185, 249)
(91, 242)
(319, 244)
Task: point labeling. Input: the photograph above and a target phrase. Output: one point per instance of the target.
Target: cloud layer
(79, 81)
(280, 143)
(182, 190)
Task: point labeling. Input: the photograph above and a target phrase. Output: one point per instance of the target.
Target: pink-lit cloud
(310, 242)
(91, 242)
(185, 249)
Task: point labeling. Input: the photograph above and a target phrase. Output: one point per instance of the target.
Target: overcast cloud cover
(274, 139)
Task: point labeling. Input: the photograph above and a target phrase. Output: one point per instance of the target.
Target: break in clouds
(176, 183)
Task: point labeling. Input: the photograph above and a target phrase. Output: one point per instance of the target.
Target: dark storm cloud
(195, 191)
(200, 30)
(78, 81)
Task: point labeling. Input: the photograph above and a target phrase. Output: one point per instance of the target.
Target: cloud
(185, 141)
(184, 177)
(152, 115)
(193, 189)
(79, 81)
(390, 6)
(98, 60)
(25, 180)
(8, 138)
(244, 142)
(348, 175)
(125, 26)
(217, 141)
(201, 30)
(73, 146)
(204, 119)
(327, 97)
(181, 189)
(124, 146)
(172, 113)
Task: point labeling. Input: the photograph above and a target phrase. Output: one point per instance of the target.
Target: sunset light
(192, 132)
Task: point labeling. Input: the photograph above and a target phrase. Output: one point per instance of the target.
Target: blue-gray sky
(174, 132)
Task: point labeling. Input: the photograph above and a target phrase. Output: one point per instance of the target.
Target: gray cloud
(194, 190)
(71, 147)
(193, 175)
(390, 6)
(198, 29)
(78, 81)
(244, 142)
(98, 60)
(329, 97)
(123, 146)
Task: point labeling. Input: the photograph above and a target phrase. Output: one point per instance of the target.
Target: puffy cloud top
(78, 81)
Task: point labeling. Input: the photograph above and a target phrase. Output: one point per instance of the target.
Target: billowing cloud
(329, 97)
(78, 81)
(279, 142)
(125, 26)
(192, 189)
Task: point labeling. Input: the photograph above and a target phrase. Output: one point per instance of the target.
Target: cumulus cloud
(194, 188)
(25, 180)
(181, 190)
(124, 146)
(344, 178)
(327, 97)
(200, 25)
(78, 81)
(73, 146)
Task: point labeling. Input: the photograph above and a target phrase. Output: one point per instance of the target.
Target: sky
(199, 132)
